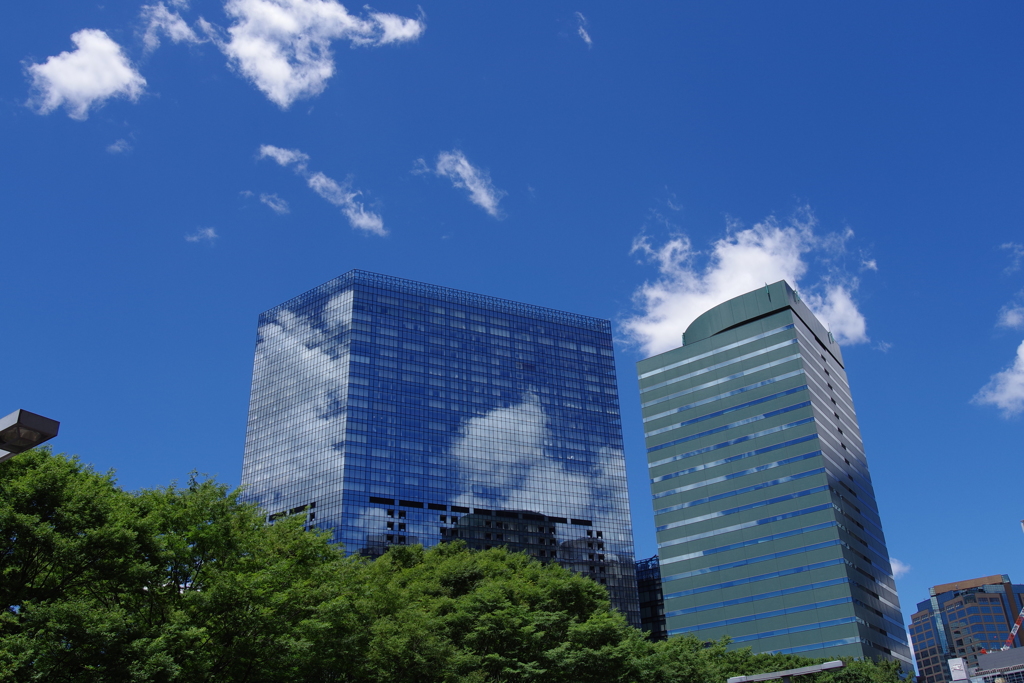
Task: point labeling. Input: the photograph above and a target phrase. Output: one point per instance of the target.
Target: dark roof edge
(757, 304)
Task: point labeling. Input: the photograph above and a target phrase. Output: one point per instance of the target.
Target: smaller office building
(1000, 667)
(962, 619)
(652, 606)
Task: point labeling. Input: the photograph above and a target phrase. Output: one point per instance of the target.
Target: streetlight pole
(22, 430)
(787, 675)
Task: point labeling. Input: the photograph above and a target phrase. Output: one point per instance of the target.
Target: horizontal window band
(731, 442)
(718, 350)
(749, 542)
(735, 475)
(727, 394)
(792, 629)
(819, 646)
(742, 508)
(752, 560)
(745, 525)
(722, 380)
(732, 458)
(764, 615)
(725, 411)
(755, 598)
(731, 425)
(719, 366)
(812, 347)
(754, 579)
(737, 492)
(797, 629)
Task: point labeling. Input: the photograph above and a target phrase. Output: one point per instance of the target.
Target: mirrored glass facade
(766, 520)
(395, 412)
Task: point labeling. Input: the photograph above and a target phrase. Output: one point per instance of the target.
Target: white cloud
(580, 28)
(883, 346)
(360, 218)
(278, 205)
(344, 197)
(94, 72)
(1005, 390)
(285, 157)
(202, 235)
(1012, 316)
(119, 146)
(160, 20)
(284, 46)
(838, 310)
(339, 194)
(329, 189)
(396, 29)
(454, 166)
(899, 569)
(869, 264)
(1016, 255)
(741, 261)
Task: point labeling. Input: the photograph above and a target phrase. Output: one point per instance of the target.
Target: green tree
(450, 614)
(190, 584)
(169, 584)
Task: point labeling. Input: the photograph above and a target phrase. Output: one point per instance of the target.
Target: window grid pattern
(962, 620)
(395, 412)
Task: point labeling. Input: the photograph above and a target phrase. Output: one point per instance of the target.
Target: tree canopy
(188, 583)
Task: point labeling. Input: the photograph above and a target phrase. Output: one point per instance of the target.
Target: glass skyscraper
(767, 526)
(396, 412)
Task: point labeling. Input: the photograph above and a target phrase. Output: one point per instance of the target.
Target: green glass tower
(766, 520)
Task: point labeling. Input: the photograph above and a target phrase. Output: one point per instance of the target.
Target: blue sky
(171, 170)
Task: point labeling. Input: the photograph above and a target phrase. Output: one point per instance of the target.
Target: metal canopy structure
(22, 430)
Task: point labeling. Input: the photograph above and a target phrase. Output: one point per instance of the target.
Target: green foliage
(189, 584)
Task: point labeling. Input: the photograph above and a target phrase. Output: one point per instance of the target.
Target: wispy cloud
(869, 264)
(278, 205)
(454, 166)
(1016, 256)
(340, 194)
(284, 46)
(202, 235)
(743, 260)
(96, 70)
(581, 24)
(899, 569)
(285, 157)
(344, 197)
(161, 21)
(1005, 390)
(1011, 316)
(119, 146)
